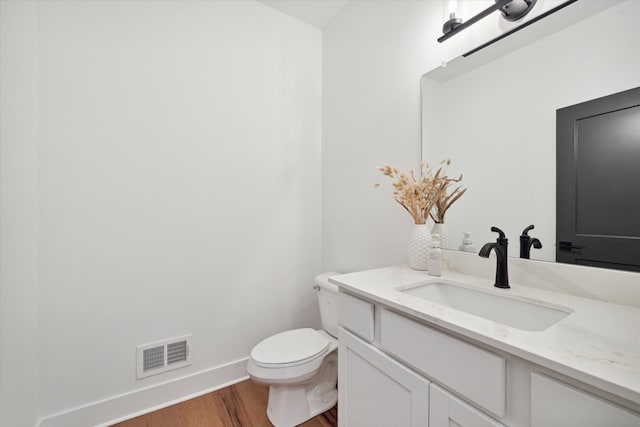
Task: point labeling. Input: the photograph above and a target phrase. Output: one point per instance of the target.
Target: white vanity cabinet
(396, 370)
(377, 391)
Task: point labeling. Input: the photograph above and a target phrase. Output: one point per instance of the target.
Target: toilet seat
(290, 348)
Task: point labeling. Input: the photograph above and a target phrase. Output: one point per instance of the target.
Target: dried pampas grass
(420, 196)
(447, 197)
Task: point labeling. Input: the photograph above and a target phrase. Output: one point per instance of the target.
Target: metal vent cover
(162, 356)
(153, 358)
(177, 352)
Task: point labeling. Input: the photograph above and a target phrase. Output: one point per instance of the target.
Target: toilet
(301, 365)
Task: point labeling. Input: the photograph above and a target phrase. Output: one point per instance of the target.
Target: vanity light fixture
(453, 22)
(511, 10)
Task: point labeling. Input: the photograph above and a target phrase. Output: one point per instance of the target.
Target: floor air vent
(163, 356)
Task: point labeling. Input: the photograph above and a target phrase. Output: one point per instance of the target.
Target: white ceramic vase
(419, 247)
(441, 229)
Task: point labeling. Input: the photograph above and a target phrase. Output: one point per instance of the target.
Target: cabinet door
(556, 404)
(375, 390)
(447, 410)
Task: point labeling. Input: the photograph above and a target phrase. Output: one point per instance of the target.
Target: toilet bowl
(300, 365)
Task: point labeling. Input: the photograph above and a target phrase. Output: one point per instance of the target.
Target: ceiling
(315, 12)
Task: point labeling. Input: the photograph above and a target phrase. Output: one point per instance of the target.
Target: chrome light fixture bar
(511, 10)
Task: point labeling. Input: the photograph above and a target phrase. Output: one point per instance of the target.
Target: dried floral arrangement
(420, 196)
(447, 197)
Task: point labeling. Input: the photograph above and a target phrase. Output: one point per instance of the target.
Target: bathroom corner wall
(19, 369)
(374, 53)
(174, 184)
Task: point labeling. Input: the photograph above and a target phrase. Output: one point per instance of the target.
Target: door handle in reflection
(567, 246)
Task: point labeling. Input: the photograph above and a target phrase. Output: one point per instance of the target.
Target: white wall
(18, 214)
(178, 187)
(374, 53)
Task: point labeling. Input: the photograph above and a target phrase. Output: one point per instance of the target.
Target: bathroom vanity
(418, 350)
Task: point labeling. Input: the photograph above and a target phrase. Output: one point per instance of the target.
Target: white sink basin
(510, 311)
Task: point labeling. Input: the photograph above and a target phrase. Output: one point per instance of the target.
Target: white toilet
(301, 365)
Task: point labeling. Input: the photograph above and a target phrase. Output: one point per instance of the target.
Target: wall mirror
(496, 123)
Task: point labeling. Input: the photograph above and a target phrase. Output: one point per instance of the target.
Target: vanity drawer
(555, 403)
(462, 367)
(356, 315)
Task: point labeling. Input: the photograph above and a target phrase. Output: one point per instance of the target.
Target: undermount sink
(509, 311)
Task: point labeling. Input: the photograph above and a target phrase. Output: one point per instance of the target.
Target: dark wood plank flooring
(240, 405)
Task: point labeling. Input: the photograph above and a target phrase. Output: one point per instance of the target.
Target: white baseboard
(138, 402)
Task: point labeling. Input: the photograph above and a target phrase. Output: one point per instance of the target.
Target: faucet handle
(501, 233)
(526, 230)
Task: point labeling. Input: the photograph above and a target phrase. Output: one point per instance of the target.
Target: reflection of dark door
(598, 182)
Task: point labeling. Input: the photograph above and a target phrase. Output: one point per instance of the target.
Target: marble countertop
(598, 343)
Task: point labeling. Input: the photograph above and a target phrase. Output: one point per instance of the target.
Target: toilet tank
(328, 302)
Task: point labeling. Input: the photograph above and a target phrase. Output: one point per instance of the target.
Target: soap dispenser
(435, 256)
(467, 243)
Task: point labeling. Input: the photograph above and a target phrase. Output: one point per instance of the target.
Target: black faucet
(500, 247)
(526, 242)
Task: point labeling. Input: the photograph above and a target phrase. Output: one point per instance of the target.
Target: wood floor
(240, 405)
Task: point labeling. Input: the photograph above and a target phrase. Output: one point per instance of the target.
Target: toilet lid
(290, 347)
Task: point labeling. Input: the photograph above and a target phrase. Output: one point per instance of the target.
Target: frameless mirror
(496, 123)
